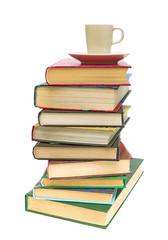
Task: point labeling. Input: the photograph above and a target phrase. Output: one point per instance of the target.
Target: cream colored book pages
(88, 169)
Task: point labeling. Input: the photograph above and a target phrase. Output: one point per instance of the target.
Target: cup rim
(98, 24)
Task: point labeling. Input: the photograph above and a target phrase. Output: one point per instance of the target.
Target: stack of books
(90, 172)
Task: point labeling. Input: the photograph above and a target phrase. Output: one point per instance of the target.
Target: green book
(98, 215)
(91, 182)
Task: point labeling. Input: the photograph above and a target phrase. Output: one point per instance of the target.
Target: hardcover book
(71, 71)
(82, 118)
(76, 152)
(92, 182)
(76, 136)
(82, 169)
(80, 98)
(97, 215)
(86, 195)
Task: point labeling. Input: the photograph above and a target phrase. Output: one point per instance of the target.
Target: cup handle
(122, 36)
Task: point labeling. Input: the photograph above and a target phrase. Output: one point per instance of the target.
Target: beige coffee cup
(99, 38)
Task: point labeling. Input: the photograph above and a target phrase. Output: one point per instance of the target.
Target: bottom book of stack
(95, 206)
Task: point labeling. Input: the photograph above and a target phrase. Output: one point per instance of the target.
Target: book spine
(26, 203)
(35, 89)
(39, 114)
(32, 133)
(33, 151)
(46, 75)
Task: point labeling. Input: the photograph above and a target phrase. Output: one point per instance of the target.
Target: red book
(72, 72)
(124, 153)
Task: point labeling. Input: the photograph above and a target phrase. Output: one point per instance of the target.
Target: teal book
(97, 215)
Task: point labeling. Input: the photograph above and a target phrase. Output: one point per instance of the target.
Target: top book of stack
(72, 72)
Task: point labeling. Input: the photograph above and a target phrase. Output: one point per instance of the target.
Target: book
(81, 169)
(80, 97)
(96, 215)
(91, 182)
(71, 71)
(93, 168)
(85, 195)
(77, 136)
(82, 118)
(64, 152)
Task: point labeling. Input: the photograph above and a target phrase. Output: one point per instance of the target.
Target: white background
(35, 34)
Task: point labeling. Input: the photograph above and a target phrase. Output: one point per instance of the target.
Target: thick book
(97, 215)
(71, 71)
(76, 136)
(85, 195)
(53, 117)
(74, 153)
(80, 98)
(93, 168)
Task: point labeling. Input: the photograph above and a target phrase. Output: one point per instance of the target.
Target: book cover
(124, 153)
